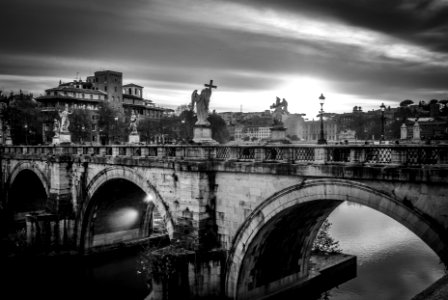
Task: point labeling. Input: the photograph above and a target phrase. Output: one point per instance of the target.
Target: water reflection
(112, 276)
(393, 263)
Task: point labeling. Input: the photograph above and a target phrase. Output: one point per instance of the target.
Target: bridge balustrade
(303, 154)
(411, 155)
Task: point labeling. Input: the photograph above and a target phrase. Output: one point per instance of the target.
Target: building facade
(311, 131)
(103, 86)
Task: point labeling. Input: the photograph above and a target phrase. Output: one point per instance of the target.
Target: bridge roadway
(261, 206)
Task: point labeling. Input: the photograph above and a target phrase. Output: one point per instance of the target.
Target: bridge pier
(182, 274)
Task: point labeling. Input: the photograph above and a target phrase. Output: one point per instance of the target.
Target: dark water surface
(110, 277)
(393, 263)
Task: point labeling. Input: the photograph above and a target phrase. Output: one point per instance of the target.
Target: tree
(111, 125)
(219, 129)
(406, 102)
(81, 125)
(24, 118)
(324, 242)
(187, 120)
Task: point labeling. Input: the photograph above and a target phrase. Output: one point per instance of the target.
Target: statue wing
(207, 94)
(194, 98)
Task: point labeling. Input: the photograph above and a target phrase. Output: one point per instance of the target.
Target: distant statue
(7, 130)
(56, 127)
(280, 108)
(416, 131)
(202, 102)
(133, 124)
(65, 122)
(285, 106)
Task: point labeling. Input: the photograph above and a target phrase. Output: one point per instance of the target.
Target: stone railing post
(289, 154)
(161, 152)
(320, 155)
(128, 151)
(145, 151)
(115, 151)
(102, 151)
(357, 154)
(398, 155)
(182, 153)
(259, 154)
(211, 152)
(233, 153)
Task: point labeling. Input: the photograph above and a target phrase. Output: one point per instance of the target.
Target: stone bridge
(259, 205)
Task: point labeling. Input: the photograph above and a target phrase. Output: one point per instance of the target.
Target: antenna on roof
(77, 75)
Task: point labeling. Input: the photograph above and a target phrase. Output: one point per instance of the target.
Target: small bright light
(123, 219)
(148, 198)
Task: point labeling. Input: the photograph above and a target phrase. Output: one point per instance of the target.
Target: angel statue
(65, 122)
(202, 101)
(133, 124)
(278, 111)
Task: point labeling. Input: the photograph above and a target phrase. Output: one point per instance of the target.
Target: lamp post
(26, 133)
(321, 136)
(82, 134)
(116, 130)
(383, 108)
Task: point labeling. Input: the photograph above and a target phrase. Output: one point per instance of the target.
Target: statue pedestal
(202, 134)
(64, 138)
(278, 136)
(134, 139)
(403, 132)
(416, 132)
(8, 141)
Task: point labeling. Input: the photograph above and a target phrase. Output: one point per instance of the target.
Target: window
(105, 88)
(130, 91)
(115, 87)
(91, 96)
(83, 95)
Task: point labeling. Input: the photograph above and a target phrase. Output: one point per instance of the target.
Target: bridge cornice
(417, 163)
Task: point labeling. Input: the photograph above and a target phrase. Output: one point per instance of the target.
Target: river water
(392, 264)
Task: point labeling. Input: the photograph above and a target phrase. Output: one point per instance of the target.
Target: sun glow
(302, 94)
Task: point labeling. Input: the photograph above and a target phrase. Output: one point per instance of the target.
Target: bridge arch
(260, 247)
(124, 174)
(33, 183)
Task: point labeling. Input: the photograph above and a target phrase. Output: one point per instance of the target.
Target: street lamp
(116, 130)
(82, 134)
(383, 108)
(26, 133)
(322, 137)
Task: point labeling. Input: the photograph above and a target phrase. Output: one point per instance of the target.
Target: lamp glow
(148, 198)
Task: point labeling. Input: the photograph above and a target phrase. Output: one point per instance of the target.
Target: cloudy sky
(354, 52)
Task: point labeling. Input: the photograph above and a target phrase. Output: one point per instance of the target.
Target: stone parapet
(355, 154)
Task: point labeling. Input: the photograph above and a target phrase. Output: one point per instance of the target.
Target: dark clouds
(422, 21)
(365, 49)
